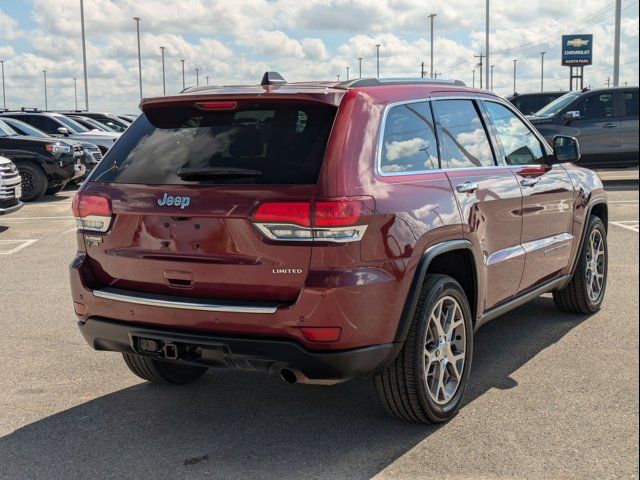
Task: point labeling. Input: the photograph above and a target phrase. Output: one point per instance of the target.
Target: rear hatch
(181, 187)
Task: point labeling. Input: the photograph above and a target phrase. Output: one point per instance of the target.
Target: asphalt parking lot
(552, 395)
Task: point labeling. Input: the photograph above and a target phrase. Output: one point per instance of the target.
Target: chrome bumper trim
(182, 304)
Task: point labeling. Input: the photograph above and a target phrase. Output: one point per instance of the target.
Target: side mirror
(63, 131)
(566, 149)
(572, 115)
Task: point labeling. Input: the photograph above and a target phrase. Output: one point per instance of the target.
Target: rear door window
(409, 140)
(520, 145)
(253, 144)
(629, 104)
(463, 135)
(596, 107)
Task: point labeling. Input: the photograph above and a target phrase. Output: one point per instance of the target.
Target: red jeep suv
(329, 231)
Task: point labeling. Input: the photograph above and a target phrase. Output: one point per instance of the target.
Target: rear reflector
(321, 334)
(217, 105)
(92, 212)
(80, 308)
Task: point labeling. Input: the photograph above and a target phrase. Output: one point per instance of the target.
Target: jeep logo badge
(170, 201)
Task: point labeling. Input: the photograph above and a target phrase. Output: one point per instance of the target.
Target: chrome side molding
(182, 303)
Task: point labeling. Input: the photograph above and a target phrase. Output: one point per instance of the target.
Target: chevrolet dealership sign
(577, 50)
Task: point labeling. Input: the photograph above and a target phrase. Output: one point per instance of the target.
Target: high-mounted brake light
(92, 212)
(326, 221)
(217, 105)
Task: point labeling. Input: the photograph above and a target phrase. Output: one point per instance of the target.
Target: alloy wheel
(595, 266)
(444, 350)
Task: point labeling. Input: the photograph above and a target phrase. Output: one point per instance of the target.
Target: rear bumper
(270, 355)
(364, 303)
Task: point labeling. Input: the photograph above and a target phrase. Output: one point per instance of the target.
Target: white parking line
(628, 224)
(23, 244)
(37, 218)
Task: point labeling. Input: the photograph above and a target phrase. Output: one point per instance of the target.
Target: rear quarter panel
(589, 191)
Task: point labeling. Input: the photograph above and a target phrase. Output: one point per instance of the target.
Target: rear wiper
(186, 173)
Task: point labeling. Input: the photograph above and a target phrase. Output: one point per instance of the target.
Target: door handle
(467, 187)
(529, 182)
(610, 125)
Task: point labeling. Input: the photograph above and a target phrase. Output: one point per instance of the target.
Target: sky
(236, 41)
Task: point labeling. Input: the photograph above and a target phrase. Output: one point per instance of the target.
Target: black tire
(402, 387)
(52, 189)
(34, 182)
(160, 371)
(575, 298)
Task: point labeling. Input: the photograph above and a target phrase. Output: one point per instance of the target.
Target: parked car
(91, 154)
(127, 117)
(45, 165)
(10, 190)
(530, 103)
(58, 125)
(604, 120)
(108, 119)
(91, 124)
(331, 231)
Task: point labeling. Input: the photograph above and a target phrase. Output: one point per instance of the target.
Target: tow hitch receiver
(170, 351)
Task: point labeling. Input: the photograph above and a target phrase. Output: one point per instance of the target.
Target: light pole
(84, 57)
(137, 19)
(542, 54)
(197, 77)
(378, 60)
(474, 78)
(183, 84)
(338, 78)
(515, 69)
(46, 103)
(207, 77)
(360, 67)
(431, 17)
(348, 73)
(492, 77)
(164, 84)
(75, 91)
(616, 45)
(486, 47)
(4, 96)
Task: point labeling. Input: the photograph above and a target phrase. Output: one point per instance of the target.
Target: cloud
(235, 41)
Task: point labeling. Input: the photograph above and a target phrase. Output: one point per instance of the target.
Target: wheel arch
(599, 208)
(454, 258)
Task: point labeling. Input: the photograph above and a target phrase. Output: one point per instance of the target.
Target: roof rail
(374, 82)
(30, 109)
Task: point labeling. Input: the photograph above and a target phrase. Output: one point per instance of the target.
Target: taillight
(326, 220)
(92, 212)
(336, 213)
(298, 213)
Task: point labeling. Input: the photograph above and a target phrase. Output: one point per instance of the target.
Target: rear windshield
(252, 144)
